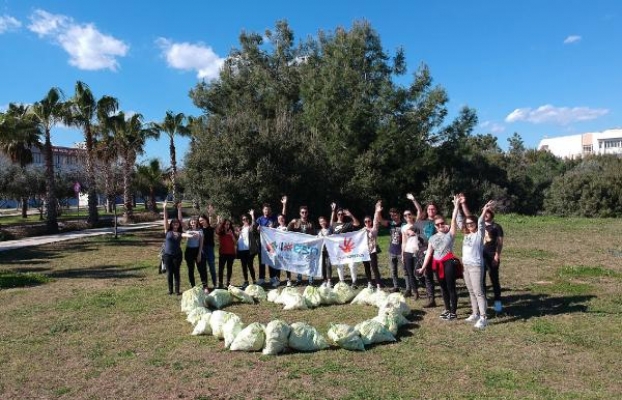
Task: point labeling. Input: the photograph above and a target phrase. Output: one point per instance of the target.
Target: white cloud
(555, 115)
(191, 57)
(88, 48)
(8, 23)
(572, 39)
(492, 127)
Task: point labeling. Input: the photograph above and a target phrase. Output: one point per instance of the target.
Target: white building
(605, 142)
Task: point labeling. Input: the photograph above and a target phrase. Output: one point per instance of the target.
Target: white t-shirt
(412, 242)
(243, 239)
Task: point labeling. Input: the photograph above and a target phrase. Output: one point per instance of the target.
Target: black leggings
(191, 260)
(247, 264)
(448, 285)
(173, 263)
(372, 265)
(493, 272)
(222, 259)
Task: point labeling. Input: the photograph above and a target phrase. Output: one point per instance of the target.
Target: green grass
(9, 279)
(98, 323)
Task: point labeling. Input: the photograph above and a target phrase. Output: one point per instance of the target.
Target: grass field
(91, 319)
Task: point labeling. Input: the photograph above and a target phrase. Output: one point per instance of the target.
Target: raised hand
(378, 206)
(333, 206)
(410, 197)
(284, 200)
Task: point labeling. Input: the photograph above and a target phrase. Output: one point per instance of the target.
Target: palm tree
(130, 137)
(83, 108)
(18, 133)
(47, 113)
(172, 125)
(150, 177)
(105, 146)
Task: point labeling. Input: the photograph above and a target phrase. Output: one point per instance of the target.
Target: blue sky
(539, 68)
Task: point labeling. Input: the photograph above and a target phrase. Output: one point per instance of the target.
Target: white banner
(345, 248)
(292, 251)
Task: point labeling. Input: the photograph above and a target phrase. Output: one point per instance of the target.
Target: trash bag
(251, 338)
(397, 301)
(285, 293)
(294, 301)
(328, 296)
(312, 297)
(364, 298)
(240, 295)
(391, 312)
(379, 298)
(192, 298)
(202, 326)
(277, 332)
(219, 298)
(195, 315)
(344, 293)
(304, 337)
(373, 331)
(273, 295)
(346, 337)
(257, 292)
(231, 329)
(388, 322)
(218, 320)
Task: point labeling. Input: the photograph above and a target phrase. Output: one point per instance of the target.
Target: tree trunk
(173, 170)
(24, 207)
(128, 214)
(90, 179)
(152, 200)
(51, 217)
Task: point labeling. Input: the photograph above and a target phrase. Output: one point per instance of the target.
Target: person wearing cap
(493, 244)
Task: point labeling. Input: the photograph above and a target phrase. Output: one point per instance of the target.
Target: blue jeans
(207, 259)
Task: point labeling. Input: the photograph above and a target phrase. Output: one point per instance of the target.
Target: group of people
(422, 242)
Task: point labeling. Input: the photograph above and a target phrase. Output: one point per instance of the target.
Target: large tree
(47, 113)
(173, 125)
(130, 136)
(18, 134)
(150, 180)
(83, 109)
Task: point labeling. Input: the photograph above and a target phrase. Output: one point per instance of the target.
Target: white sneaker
(289, 283)
(261, 282)
(323, 284)
(370, 286)
(498, 306)
(481, 323)
(329, 284)
(472, 318)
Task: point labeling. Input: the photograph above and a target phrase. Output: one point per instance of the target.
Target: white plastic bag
(231, 329)
(388, 322)
(273, 295)
(202, 326)
(391, 312)
(364, 298)
(373, 331)
(192, 298)
(397, 301)
(195, 315)
(294, 301)
(286, 293)
(277, 332)
(240, 295)
(328, 296)
(251, 338)
(218, 320)
(312, 297)
(346, 337)
(219, 298)
(304, 337)
(344, 293)
(257, 292)
(379, 298)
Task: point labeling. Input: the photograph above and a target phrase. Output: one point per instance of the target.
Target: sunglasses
(368, 221)
(470, 224)
(440, 223)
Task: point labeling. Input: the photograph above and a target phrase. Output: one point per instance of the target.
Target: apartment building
(605, 142)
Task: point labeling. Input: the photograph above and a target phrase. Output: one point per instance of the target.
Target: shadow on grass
(530, 305)
(99, 272)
